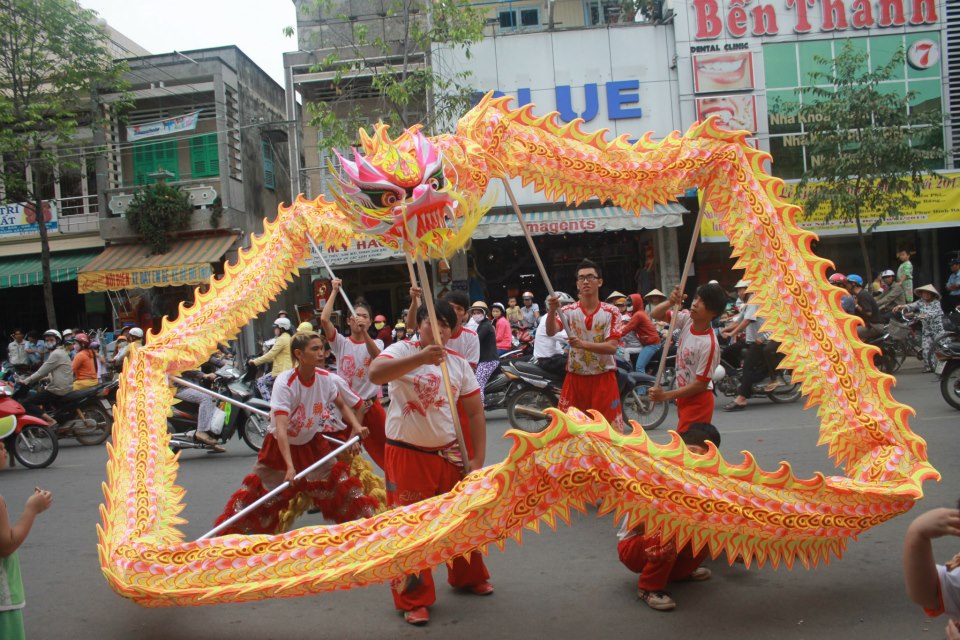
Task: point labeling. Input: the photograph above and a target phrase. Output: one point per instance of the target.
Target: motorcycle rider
(58, 367)
(279, 354)
(893, 296)
(530, 310)
(206, 432)
(847, 302)
(749, 352)
(866, 308)
(84, 364)
(134, 342)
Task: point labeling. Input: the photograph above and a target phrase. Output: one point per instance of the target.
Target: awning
(25, 271)
(505, 225)
(131, 266)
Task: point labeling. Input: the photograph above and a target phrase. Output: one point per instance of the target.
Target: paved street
(564, 584)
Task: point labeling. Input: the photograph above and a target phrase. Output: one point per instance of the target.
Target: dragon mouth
(428, 210)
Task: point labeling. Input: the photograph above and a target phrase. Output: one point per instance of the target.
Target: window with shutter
(269, 178)
(151, 157)
(204, 156)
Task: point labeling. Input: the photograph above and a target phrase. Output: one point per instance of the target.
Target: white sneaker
(658, 600)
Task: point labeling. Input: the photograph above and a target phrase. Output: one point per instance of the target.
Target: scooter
(948, 362)
(728, 383)
(33, 444)
(86, 415)
(536, 389)
(247, 426)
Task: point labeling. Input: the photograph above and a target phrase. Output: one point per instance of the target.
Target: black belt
(413, 447)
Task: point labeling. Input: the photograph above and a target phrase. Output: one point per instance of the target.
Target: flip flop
(733, 406)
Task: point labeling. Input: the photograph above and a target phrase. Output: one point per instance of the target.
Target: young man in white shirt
(354, 355)
(422, 455)
(593, 331)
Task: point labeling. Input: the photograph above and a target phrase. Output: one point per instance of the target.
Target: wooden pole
(326, 266)
(533, 250)
(280, 488)
(683, 284)
(427, 295)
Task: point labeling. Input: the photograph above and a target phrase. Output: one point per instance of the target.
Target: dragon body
(426, 195)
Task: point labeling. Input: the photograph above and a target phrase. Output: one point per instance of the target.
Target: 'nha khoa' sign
(163, 127)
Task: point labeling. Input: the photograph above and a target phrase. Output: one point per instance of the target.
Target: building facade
(213, 123)
(746, 62)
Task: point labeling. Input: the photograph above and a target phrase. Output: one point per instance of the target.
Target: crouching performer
(421, 454)
(303, 406)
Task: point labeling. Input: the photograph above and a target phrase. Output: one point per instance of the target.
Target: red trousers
(599, 392)
(375, 420)
(697, 408)
(413, 476)
(656, 563)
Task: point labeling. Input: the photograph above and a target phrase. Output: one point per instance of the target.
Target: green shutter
(204, 156)
(150, 157)
(269, 177)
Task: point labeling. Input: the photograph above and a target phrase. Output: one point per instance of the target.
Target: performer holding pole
(423, 453)
(302, 403)
(354, 355)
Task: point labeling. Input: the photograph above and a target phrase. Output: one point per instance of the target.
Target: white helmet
(136, 332)
(283, 323)
(53, 333)
(563, 298)
(719, 373)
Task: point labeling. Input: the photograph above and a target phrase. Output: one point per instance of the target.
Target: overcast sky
(181, 25)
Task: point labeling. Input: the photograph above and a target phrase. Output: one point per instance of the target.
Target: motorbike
(247, 426)
(905, 339)
(535, 389)
(727, 382)
(33, 444)
(948, 362)
(86, 415)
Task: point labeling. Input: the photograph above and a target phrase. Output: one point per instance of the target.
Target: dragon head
(396, 190)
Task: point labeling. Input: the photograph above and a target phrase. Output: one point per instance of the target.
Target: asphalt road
(566, 583)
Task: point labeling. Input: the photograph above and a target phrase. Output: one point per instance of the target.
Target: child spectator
(659, 563)
(935, 587)
(12, 598)
(697, 354)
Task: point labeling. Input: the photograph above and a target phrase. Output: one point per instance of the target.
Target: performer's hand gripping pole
(282, 487)
(683, 284)
(326, 266)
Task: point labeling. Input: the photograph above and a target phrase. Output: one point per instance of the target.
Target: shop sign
(20, 218)
(143, 278)
(937, 206)
(357, 251)
(737, 19)
(620, 94)
(186, 122)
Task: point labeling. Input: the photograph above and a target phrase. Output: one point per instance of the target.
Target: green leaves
(385, 71)
(868, 148)
(156, 212)
(53, 58)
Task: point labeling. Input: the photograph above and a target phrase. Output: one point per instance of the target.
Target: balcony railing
(202, 193)
(78, 214)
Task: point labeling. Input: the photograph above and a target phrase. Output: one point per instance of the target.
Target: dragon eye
(389, 198)
(436, 180)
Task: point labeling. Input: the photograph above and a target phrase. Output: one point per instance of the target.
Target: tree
(869, 149)
(383, 67)
(157, 211)
(52, 62)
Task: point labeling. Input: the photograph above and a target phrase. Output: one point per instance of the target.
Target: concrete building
(213, 123)
(557, 55)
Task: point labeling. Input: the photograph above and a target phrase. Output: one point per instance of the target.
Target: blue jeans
(644, 356)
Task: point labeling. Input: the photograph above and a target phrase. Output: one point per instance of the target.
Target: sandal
(733, 406)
